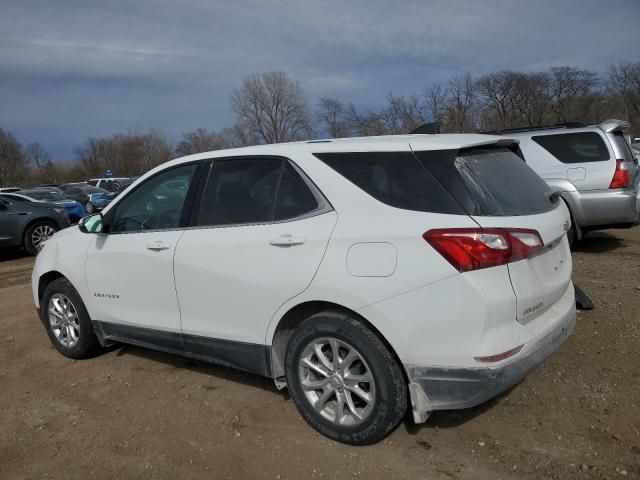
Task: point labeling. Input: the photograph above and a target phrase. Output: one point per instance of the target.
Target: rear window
(502, 184)
(397, 179)
(623, 146)
(490, 181)
(577, 147)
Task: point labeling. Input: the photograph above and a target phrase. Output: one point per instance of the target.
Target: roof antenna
(427, 128)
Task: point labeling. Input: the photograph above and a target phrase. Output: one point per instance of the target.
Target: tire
(89, 208)
(37, 233)
(360, 352)
(76, 337)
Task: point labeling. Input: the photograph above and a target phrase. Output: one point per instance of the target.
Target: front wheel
(67, 321)
(344, 380)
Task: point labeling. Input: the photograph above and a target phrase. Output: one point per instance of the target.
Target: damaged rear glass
(490, 181)
(502, 184)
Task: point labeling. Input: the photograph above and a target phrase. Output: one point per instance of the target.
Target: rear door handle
(287, 241)
(157, 246)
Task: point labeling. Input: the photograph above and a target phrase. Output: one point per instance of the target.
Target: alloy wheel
(337, 381)
(64, 320)
(40, 234)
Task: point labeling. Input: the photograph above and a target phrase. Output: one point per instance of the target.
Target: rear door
(499, 190)
(261, 233)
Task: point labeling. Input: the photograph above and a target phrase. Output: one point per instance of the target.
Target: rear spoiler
(613, 125)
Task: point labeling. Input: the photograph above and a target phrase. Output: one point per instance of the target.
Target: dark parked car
(28, 224)
(92, 198)
(53, 196)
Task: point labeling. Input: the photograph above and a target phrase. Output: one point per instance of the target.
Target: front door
(130, 267)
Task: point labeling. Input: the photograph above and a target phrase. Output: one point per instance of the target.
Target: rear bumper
(605, 207)
(442, 388)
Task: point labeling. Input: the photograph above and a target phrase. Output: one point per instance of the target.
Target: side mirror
(91, 224)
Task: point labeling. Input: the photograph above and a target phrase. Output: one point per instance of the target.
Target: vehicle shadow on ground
(7, 254)
(598, 242)
(452, 418)
(179, 362)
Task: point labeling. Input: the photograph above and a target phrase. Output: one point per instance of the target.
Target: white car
(363, 274)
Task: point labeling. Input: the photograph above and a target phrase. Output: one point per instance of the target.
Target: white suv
(363, 274)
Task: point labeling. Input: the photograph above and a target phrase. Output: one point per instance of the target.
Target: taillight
(620, 176)
(474, 248)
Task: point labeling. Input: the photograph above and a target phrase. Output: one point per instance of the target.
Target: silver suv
(592, 167)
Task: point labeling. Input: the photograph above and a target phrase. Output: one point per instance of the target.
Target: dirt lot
(132, 413)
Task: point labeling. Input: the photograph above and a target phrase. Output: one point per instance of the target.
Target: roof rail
(537, 127)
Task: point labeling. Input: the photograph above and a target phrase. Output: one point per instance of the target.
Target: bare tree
(330, 113)
(624, 83)
(125, 154)
(273, 107)
(363, 124)
(36, 155)
(461, 95)
(496, 92)
(13, 164)
(402, 114)
(568, 85)
(435, 104)
(532, 98)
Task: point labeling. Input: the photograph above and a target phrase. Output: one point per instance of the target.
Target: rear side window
(294, 197)
(241, 191)
(577, 147)
(397, 179)
(247, 191)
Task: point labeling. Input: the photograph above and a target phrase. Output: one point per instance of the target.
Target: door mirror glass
(91, 224)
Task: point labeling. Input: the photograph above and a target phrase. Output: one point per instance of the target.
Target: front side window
(577, 147)
(155, 204)
(254, 190)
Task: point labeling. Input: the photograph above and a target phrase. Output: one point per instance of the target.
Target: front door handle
(157, 246)
(287, 241)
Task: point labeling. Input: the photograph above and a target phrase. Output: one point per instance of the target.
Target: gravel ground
(132, 413)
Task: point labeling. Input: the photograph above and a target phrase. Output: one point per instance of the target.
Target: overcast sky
(74, 69)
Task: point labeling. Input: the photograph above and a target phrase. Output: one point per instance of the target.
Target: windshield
(46, 195)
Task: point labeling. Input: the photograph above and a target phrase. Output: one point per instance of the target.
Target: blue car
(92, 198)
(74, 209)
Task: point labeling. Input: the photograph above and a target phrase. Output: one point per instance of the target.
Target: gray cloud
(73, 69)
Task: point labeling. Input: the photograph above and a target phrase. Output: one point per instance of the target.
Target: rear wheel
(67, 320)
(344, 380)
(37, 233)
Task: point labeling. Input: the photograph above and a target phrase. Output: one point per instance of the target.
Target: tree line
(272, 108)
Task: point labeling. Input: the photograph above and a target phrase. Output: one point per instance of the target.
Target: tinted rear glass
(502, 184)
(397, 179)
(623, 146)
(577, 147)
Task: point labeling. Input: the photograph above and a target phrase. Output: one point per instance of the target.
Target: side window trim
(188, 203)
(324, 205)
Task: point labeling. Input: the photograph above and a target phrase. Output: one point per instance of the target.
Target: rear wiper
(553, 196)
